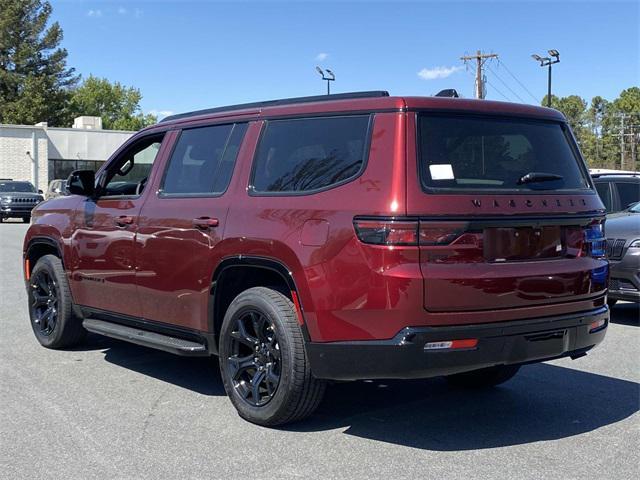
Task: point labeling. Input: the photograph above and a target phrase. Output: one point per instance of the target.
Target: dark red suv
(343, 237)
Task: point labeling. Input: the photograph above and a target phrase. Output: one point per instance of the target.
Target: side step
(179, 346)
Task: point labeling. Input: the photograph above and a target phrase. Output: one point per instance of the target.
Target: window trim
(104, 171)
(590, 189)
(292, 193)
(162, 195)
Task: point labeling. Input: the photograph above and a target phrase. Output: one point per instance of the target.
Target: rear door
(182, 223)
(504, 204)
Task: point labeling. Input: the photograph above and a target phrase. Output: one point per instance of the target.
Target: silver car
(623, 250)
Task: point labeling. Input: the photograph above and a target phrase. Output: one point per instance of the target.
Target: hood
(623, 225)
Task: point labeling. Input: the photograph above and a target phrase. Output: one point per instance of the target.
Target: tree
(116, 104)
(34, 77)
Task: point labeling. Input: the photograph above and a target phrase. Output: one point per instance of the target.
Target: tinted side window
(629, 193)
(309, 154)
(603, 191)
(203, 159)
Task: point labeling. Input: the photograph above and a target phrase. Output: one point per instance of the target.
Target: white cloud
(122, 10)
(437, 72)
(94, 13)
(161, 113)
(321, 57)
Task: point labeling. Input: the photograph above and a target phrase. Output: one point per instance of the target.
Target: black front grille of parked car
(615, 246)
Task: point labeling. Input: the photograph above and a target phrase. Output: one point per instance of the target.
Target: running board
(178, 346)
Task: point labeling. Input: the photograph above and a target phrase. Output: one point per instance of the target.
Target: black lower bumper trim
(404, 356)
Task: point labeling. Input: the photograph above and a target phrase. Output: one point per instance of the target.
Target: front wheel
(264, 367)
(50, 306)
(484, 377)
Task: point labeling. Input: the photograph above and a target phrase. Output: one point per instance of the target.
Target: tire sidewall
(246, 301)
(64, 310)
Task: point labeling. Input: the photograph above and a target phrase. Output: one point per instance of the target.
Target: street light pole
(329, 77)
(547, 62)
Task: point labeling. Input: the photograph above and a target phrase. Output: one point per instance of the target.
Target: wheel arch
(249, 271)
(39, 246)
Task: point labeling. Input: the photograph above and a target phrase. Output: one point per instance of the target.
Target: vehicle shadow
(543, 402)
(199, 374)
(626, 314)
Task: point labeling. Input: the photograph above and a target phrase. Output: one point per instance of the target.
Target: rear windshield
(496, 153)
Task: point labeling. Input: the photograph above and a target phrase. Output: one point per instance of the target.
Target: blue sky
(186, 55)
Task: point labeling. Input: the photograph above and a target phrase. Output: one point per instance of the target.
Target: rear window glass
(492, 153)
(304, 155)
(629, 193)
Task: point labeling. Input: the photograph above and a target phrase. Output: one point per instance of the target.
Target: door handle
(124, 220)
(204, 223)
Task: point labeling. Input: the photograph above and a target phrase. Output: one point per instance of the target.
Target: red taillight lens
(408, 232)
(387, 232)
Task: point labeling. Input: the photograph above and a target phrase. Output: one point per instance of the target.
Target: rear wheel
(50, 307)
(485, 377)
(263, 362)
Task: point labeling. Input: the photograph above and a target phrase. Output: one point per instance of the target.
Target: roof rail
(284, 101)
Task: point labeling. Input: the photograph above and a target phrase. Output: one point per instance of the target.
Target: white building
(39, 153)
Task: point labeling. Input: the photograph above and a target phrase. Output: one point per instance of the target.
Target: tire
(485, 377)
(26, 219)
(611, 301)
(260, 341)
(51, 309)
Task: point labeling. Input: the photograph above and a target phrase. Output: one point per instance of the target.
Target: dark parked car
(342, 237)
(623, 250)
(618, 191)
(17, 199)
(56, 188)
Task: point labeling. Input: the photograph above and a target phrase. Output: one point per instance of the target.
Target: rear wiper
(533, 177)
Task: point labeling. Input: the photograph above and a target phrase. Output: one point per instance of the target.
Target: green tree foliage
(598, 127)
(34, 77)
(116, 104)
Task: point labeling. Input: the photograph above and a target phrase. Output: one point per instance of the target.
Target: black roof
(283, 101)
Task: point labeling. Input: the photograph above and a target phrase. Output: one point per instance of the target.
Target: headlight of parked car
(635, 244)
(5, 199)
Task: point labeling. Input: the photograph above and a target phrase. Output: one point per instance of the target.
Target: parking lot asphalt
(114, 410)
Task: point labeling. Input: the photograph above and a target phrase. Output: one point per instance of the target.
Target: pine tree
(35, 81)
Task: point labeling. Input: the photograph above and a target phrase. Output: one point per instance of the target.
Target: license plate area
(509, 244)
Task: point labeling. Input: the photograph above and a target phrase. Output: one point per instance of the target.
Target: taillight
(387, 232)
(408, 232)
(594, 240)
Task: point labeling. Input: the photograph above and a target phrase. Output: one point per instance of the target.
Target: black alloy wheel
(44, 302)
(254, 363)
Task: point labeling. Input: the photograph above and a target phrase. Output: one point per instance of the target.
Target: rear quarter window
(475, 153)
(298, 156)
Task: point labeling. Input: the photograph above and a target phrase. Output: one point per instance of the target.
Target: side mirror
(82, 182)
(40, 191)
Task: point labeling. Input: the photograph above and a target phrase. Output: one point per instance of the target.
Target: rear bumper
(404, 355)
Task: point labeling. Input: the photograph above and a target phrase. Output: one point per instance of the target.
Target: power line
(493, 86)
(504, 83)
(500, 62)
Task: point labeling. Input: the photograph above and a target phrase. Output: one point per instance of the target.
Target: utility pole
(622, 141)
(480, 59)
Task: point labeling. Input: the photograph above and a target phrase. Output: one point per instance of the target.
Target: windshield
(17, 187)
(496, 153)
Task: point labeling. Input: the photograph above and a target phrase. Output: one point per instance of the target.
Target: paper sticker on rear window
(441, 172)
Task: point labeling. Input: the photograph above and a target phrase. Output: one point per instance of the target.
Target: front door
(181, 225)
(102, 270)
